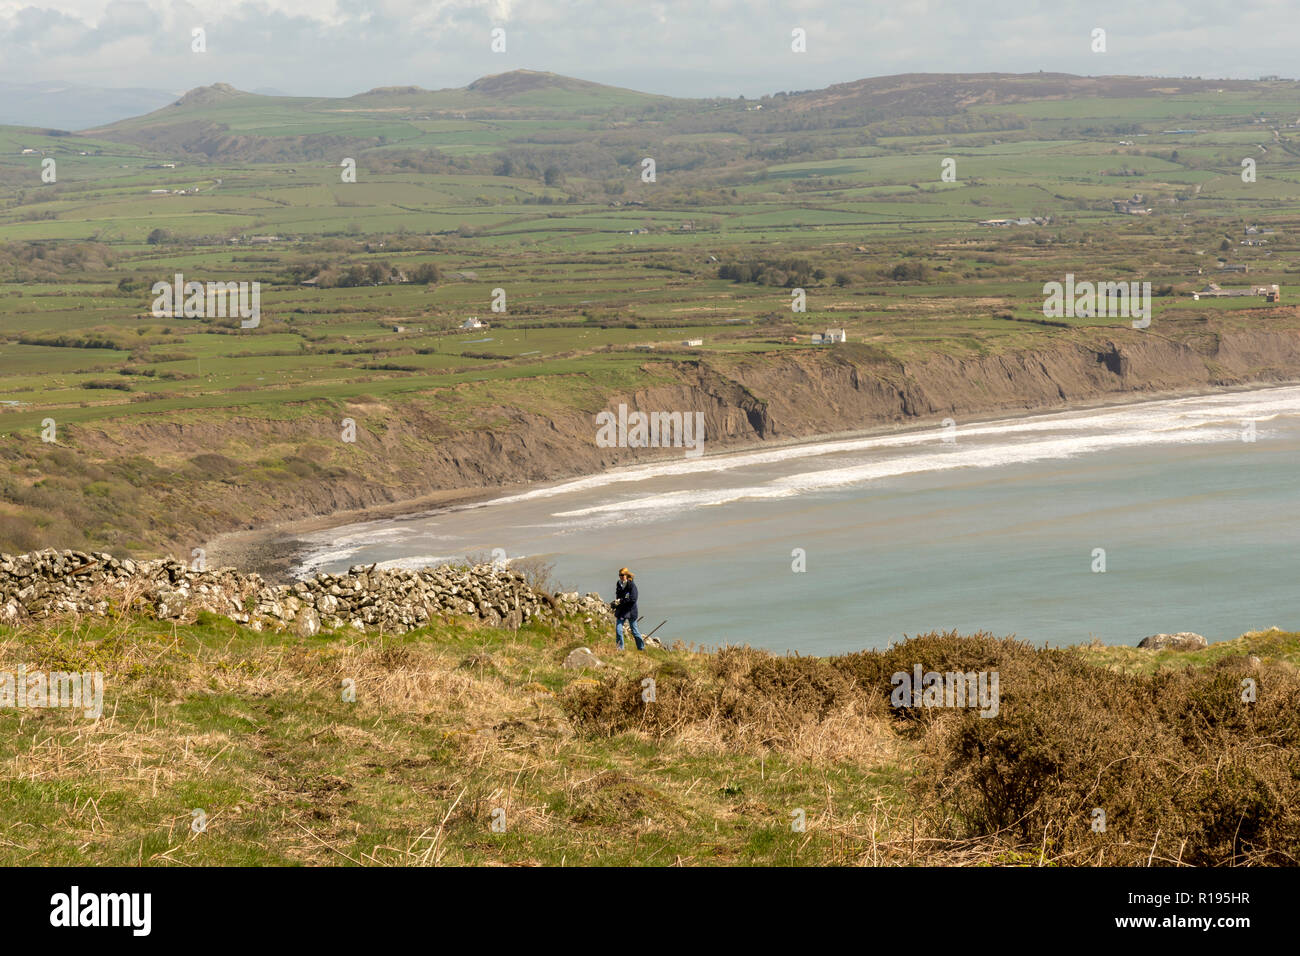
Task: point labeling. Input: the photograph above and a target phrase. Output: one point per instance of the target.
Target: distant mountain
(217, 93)
(520, 83)
(58, 105)
(222, 122)
(925, 94)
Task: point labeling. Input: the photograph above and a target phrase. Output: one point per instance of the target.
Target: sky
(675, 47)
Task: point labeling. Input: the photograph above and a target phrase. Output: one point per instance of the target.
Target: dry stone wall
(44, 584)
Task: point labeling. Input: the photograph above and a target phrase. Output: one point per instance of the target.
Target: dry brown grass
(445, 731)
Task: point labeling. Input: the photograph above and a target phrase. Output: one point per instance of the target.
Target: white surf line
(1162, 421)
(976, 457)
(1249, 404)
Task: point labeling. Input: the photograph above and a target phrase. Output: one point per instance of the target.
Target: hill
(946, 93)
(368, 284)
(211, 743)
(220, 121)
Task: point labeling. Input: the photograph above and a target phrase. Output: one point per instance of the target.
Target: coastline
(273, 551)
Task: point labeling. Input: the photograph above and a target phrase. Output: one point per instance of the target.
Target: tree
(352, 277)
(158, 236)
(553, 176)
(426, 273)
(909, 271)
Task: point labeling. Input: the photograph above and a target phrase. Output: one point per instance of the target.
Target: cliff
(222, 474)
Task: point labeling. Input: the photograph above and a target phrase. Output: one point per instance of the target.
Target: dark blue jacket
(625, 595)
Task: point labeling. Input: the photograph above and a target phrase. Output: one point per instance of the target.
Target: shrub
(1183, 768)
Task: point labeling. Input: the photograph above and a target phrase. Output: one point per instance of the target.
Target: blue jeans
(636, 633)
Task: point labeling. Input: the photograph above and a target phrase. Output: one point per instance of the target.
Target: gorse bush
(1181, 766)
(747, 697)
(1098, 766)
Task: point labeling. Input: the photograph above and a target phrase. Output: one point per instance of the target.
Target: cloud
(683, 47)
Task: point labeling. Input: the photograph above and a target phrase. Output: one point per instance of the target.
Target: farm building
(1019, 221)
(1215, 291)
(1271, 293)
(829, 337)
(1132, 206)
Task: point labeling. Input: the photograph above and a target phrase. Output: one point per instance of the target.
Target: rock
(1182, 641)
(654, 642)
(170, 605)
(581, 657)
(49, 583)
(307, 624)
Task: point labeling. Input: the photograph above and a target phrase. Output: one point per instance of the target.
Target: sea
(1108, 524)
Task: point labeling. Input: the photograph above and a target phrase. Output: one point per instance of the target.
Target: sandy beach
(275, 550)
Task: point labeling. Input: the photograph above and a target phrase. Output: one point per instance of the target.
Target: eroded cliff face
(405, 452)
(812, 393)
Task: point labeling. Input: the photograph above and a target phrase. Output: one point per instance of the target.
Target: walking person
(625, 611)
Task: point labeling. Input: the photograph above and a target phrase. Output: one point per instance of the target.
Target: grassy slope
(450, 723)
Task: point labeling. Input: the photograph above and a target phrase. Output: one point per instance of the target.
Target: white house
(829, 337)
(693, 342)
(472, 323)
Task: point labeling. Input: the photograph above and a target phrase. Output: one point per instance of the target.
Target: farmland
(523, 201)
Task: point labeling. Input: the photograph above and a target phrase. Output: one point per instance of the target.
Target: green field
(529, 186)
